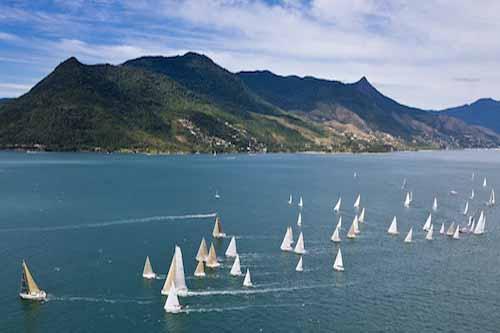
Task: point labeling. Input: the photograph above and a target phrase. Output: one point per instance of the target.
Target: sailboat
(172, 304)
(248, 280)
(339, 223)
(407, 201)
(286, 244)
(362, 216)
(202, 251)
(356, 224)
(428, 223)
(301, 203)
(212, 257)
(148, 272)
(291, 235)
(491, 202)
(404, 184)
(299, 219)
(200, 269)
(435, 204)
(299, 247)
(466, 209)
(299, 267)
(337, 205)
(290, 200)
(472, 194)
(441, 231)
(472, 177)
(29, 288)
(355, 175)
(408, 237)
(451, 229)
(393, 228)
(351, 234)
(217, 196)
(481, 222)
(231, 249)
(357, 202)
(217, 231)
(456, 233)
(411, 196)
(484, 182)
(236, 268)
(471, 229)
(335, 236)
(176, 275)
(338, 265)
(429, 233)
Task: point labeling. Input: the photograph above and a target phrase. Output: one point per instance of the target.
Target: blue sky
(430, 54)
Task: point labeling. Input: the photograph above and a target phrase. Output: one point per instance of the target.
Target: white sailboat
(491, 201)
(339, 223)
(480, 225)
(299, 219)
(435, 204)
(217, 231)
(411, 196)
(299, 267)
(200, 269)
(172, 304)
(299, 247)
(286, 244)
(148, 272)
(472, 177)
(336, 236)
(301, 203)
(428, 236)
(248, 280)
(451, 229)
(356, 224)
(202, 251)
(407, 201)
(290, 200)
(428, 223)
(408, 238)
(176, 275)
(362, 216)
(441, 231)
(471, 229)
(236, 268)
(485, 182)
(338, 265)
(217, 196)
(231, 249)
(472, 194)
(466, 209)
(337, 205)
(404, 184)
(456, 233)
(393, 228)
(29, 288)
(212, 258)
(355, 175)
(351, 234)
(357, 202)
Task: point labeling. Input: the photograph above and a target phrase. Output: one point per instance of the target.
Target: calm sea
(85, 223)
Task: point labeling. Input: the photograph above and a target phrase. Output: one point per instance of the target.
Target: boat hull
(40, 296)
(149, 276)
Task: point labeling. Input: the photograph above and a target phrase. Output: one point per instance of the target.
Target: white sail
(337, 205)
(299, 220)
(355, 175)
(428, 223)
(484, 182)
(362, 216)
(441, 231)
(236, 268)
(217, 231)
(472, 194)
(471, 229)
(301, 202)
(290, 200)
(299, 267)
(472, 177)
(429, 233)
(357, 202)
(335, 236)
(231, 249)
(469, 222)
(212, 257)
(480, 225)
(456, 233)
(491, 202)
(393, 228)
(435, 204)
(217, 196)
(286, 244)
(180, 279)
(407, 201)
(451, 229)
(148, 272)
(339, 223)
(351, 234)
(356, 224)
(170, 280)
(409, 236)
(172, 304)
(404, 184)
(466, 209)
(299, 247)
(291, 235)
(200, 269)
(202, 251)
(338, 265)
(248, 280)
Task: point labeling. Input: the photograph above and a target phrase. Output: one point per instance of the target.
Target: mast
(180, 280)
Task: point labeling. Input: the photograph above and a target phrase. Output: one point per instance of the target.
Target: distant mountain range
(484, 112)
(189, 103)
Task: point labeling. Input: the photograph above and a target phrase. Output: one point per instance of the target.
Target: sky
(430, 54)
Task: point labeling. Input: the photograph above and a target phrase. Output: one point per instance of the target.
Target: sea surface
(86, 222)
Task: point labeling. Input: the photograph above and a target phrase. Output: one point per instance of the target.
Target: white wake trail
(97, 300)
(254, 290)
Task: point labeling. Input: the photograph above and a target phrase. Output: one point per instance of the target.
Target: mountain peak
(71, 61)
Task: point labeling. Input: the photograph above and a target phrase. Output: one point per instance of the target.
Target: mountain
(484, 112)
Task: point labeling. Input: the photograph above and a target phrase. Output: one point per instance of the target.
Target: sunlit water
(85, 223)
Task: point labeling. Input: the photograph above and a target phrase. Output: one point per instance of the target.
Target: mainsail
(362, 216)
(393, 228)
(338, 265)
(484, 182)
(236, 269)
(339, 223)
(299, 247)
(28, 284)
(428, 223)
(286, 244)
(472, 194)
(217, 231)
(429, 233)
(148, 272)
(299, 267)
(290, 200)
(357, 202)
(172, 304)
(356, 224)
(301, 202)
(466, 209)
(441, 231)
(337, 205)
(180, 280)
(408, 237)
(170, 280)
(200, 269)
(299, 220)
(202, 251)
(212, 257)
(248, 280)
(479, 229)
(351, 234)
(407, 201)
(335, 236)
(435, 204)
(231, 249)
(456, 233)
(451, 229)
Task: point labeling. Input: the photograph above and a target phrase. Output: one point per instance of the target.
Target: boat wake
(239, 308)
(51, 298)
(113, 223)
(255, 290)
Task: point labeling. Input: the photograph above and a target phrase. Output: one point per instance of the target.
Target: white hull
(200, 274)
(173, 309)
(40, 296)
(149, 276)
(219, 235)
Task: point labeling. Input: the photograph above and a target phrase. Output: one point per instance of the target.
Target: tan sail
(202, 251)
(212, 257)
(28, 279)
(170, 277)
(148, 272)
(217, 231)
(200, 269)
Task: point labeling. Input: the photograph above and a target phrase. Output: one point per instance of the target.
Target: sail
(170, 277)
(466, 209)
(299, 267)
(148, 272)
(404, 184)
(355, 175)
(362, 216)
(491, 202)
(286, 244)
(290, 200)
(291, 235)
(202, 251)
(407, 201)
(479, 229)
(471, 229)
(484, 182)
(299, 219)
(456, 233)
(472, 195)
(212, 257)
(236, 269)
(28, 281)
(172, 303)
(356, 224)
(337, 205)
(451, 229)
(357, 202)
(435, 204)
(200, 269)
(429, 233)
(351, 234)
(299, 247)
(216, 233)
(231, 249)
(338, 265)
(411, 196)
(408, 237)
(248, 280)
(339, 223)
(180, 279)
(301, 202)
(393, 228)
(428, 223)
(441, 231)
(335, 236)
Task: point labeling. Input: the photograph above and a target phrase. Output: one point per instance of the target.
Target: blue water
(85, 223)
